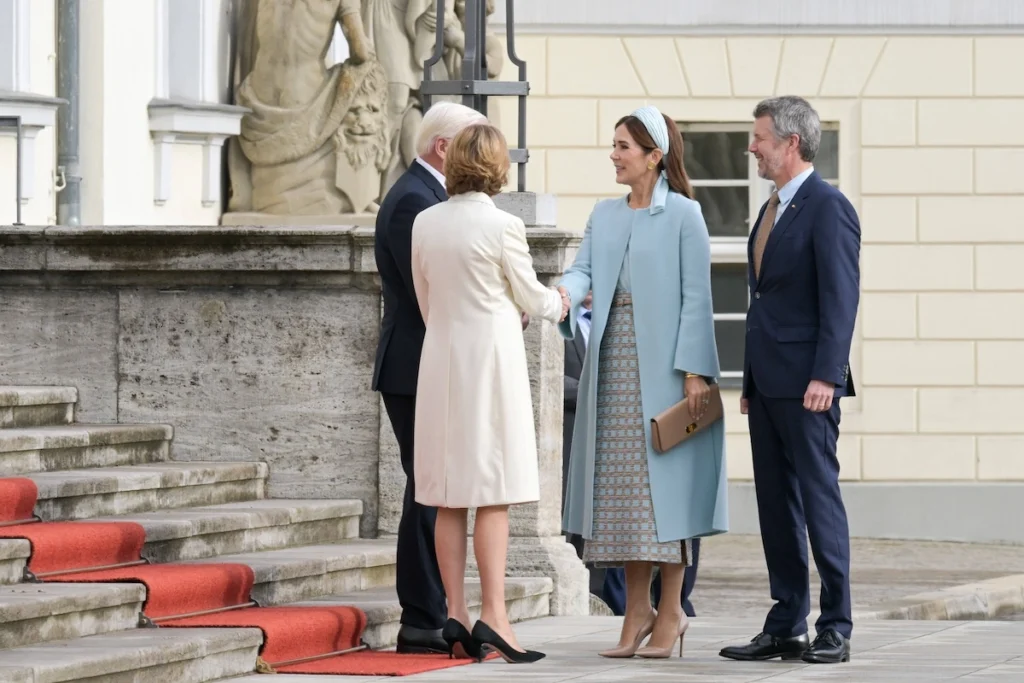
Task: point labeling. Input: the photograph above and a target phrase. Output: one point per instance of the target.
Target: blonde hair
(443, 121)
(477, 161)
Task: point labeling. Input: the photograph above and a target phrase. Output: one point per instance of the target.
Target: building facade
(921, 102)
(921, 105)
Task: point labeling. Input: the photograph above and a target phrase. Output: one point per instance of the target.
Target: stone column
(536, 544)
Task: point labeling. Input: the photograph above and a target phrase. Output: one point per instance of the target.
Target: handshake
(566, 303)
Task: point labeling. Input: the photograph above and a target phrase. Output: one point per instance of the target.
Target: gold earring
(650, 165)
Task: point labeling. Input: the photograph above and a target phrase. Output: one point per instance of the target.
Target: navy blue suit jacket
(397, 365)
(803, 306)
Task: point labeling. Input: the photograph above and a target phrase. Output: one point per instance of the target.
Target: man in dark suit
(804, 277)
(395, 372)
(608, 584)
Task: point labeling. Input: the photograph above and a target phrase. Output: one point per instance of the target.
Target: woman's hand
(697, 396)
(566, 303)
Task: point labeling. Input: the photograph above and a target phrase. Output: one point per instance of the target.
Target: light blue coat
(670, 279)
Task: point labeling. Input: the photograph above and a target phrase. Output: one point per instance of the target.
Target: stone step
(82, 494)
(145, 655)
(44, 449)
(36, 406)
(247, 527)
(33, 613)
(14, 553)
(525, 598)
(293, 574)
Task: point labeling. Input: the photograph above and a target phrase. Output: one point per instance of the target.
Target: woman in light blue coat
(647, 258)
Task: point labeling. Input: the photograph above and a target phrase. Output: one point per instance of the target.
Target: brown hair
(477, 161)
(672, 163)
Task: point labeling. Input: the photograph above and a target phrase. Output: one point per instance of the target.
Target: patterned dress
(624, 527)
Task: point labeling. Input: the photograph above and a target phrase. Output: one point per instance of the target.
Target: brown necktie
(764, 228)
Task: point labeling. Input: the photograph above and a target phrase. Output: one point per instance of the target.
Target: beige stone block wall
(931, 151)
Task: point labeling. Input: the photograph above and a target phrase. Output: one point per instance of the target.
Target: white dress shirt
(434, 172)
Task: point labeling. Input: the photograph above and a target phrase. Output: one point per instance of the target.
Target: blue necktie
(586, 315)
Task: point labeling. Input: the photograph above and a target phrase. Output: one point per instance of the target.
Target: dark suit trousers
(796, 476)
(418, 580)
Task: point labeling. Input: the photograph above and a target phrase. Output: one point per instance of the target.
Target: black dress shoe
(766, 646)
(420, 641)
(830, 647)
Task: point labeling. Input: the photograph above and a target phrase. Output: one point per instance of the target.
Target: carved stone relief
(324, 141)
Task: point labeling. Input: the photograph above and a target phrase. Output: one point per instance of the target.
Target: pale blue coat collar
(658, 197)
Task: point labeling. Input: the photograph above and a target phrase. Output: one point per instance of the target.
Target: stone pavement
(733, 581)
(883, 652)
(731, 598)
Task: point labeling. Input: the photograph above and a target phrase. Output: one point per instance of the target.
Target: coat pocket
(797, 334)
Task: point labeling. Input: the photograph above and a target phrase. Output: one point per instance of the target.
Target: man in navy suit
(804, 277)
(396, 370)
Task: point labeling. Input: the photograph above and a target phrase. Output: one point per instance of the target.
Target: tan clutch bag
(675, 425)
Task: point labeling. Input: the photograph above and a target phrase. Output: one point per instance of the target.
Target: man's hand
(818, 397)
(744, 406)
(526, 320)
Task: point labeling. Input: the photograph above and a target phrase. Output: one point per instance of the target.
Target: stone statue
(403, 33)
(317, 139)
(492, 46)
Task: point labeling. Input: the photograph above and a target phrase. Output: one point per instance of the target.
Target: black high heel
(455, 634)
(486, 639)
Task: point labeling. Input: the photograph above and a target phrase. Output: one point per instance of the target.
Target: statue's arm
(351, 17)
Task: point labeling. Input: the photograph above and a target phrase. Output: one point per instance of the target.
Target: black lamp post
(473, 85)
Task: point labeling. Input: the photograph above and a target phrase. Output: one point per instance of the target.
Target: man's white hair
(444, 121)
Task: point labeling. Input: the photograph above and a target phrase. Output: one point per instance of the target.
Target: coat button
(757, 295)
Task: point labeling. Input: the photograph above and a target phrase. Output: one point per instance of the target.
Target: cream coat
(475, 443)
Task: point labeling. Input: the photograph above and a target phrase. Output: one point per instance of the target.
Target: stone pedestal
(243, 218)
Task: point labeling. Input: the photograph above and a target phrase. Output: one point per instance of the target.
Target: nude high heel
(627, 651)
(665, 652)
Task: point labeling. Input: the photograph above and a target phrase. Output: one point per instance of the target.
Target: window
(730, 193)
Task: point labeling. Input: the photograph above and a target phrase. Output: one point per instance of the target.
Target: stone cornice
(216, 255)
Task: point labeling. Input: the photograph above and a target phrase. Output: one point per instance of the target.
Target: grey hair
(792, 115)
(445, 120)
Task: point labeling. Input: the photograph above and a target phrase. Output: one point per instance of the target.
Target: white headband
(654, 122)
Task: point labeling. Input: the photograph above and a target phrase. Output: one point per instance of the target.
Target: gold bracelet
(688, 375)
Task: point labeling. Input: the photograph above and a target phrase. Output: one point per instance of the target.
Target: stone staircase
(302, 552)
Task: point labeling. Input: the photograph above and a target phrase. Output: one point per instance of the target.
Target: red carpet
(376, 664)
(57, 546)
(176, 589)
(17, 499)
(291, 633)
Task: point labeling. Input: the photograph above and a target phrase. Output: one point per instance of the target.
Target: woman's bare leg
(670, 606)
(638, 600)
(450, 533)
(490, 543)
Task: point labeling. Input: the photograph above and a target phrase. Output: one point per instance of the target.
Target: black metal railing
(473, 85)
(15, 123)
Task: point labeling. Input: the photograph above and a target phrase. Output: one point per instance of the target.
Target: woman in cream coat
(475, 445)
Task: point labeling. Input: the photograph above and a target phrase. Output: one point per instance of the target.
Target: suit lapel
(794, 207)
(428, 179)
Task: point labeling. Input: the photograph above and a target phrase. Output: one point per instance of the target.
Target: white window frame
(36, 111)
(187, 106)
(733, 250)
(15, 39)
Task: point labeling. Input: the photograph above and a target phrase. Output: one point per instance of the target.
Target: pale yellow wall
(932, 151)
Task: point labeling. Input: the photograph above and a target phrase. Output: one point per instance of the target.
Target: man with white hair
(420, 591)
